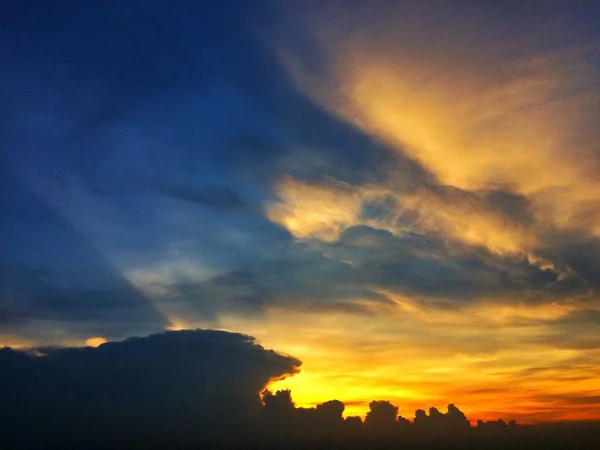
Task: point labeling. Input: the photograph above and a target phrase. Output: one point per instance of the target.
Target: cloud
(452, 421)
(573, 330)
(309, 210)
(508, 139)
(301, 279)
(470, 111)
(192, 383)
(408, 260)
(323, 211)
(382, 414)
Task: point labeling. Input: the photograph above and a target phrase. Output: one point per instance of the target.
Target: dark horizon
(208, 387)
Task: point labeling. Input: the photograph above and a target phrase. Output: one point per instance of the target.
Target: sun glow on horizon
(418, 365)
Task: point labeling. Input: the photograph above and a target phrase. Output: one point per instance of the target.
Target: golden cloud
(476, 116)
(311, 210)
(323, 212)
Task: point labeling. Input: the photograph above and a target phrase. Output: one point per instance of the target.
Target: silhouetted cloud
(284, 422)
(201, 387)
(184, 384)
(381, 416)
(453, 421)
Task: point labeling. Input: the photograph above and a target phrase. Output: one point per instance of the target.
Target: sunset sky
(403, 195)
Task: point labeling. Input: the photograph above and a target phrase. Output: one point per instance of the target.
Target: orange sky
(476, 117)
(489, 360)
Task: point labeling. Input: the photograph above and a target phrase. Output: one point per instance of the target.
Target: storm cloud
(193, 383)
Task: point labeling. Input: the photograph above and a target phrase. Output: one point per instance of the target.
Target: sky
(404, 196)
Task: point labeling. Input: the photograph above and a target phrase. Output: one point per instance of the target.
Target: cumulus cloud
(193, 383)
(382, 414)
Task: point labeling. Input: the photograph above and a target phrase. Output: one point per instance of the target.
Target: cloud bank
(186, 383)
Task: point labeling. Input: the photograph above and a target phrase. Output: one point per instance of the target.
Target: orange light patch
(95, 341)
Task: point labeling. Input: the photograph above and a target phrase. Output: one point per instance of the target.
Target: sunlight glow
(95, 341)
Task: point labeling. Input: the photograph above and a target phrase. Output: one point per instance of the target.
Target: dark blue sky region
(134, 130)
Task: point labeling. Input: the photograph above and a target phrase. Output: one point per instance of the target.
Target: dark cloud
(286, 283)
(576, 249)
(514, 206)
(430, 267)
(347, 276)
(242, 292)
(382, 414)
(582, 317)
(589, 398)
(281, 419)
(576, 330)
(184, 384)
(435, 422)
(200, 387)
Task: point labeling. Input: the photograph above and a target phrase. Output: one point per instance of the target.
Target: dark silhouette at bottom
(202, 389)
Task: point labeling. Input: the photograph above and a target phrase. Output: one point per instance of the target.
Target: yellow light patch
(95, 341)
